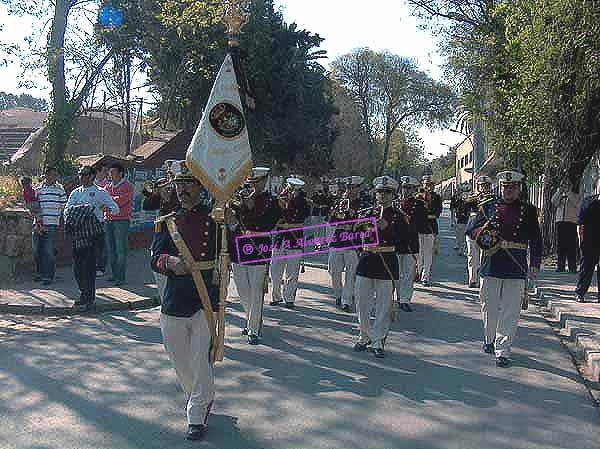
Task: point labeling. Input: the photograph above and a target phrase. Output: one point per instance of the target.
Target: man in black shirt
(589, 240)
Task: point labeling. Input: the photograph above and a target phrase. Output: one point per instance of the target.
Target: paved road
(105, 382)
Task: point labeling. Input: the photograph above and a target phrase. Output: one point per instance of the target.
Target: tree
(182, 44)
(392, 93)
(407, 155)
(537, 67)
(8, 101)
(71, 59)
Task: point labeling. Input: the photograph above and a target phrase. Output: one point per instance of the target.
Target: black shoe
(78, 303)
(488, 348)
(276, 303)
(346, 308)
(253, 339)
(47, 282)
(196, 431)
(245, 331)
(472, 284)
(579, 298)
(406, 307)
(38, 278)
(502, 362)
(289, 305)
(338, 302)
(560, 270)
(362, 346)
(426, 283)
(379, 353)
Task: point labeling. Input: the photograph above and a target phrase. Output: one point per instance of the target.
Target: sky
(344, 24)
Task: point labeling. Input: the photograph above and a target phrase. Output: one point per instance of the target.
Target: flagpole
(234, 18)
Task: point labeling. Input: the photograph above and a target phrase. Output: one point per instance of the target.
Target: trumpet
(149, 187)
(245, 194)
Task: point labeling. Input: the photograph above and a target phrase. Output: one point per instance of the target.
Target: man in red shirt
(117, 226)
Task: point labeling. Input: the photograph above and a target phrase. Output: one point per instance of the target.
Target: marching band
(263, 231)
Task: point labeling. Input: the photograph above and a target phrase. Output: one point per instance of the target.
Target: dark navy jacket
(199, 231)
(515, 222)
(396, 236)
(415, 209)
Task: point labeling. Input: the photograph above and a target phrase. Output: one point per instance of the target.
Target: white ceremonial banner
(219, 154)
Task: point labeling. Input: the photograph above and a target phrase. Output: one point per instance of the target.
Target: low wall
(15, 242)
(16, 255)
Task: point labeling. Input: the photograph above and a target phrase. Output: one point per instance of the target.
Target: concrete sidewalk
(32, 298)
(578, 324)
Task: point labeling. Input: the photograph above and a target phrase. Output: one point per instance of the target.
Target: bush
(10, 191)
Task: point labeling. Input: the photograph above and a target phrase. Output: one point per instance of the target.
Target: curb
(582, 336)
(16, 309)
(322, 266)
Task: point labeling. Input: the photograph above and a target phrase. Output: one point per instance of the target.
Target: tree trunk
(59, 122)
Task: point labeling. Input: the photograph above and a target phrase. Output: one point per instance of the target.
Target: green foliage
(8, 101)
(182, 45)
(392, 93)
(530, 70)
(407, 155)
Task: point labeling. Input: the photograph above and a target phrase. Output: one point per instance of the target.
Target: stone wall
(15, 242)
(16, 255)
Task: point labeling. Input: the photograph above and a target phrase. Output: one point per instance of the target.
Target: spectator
(51, 198)
(567, 202)
(589, 241)
(83, 221)
(33, 205)
(116, 225)
(101, 180)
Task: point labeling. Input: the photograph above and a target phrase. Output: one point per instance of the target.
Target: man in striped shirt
(52, 199)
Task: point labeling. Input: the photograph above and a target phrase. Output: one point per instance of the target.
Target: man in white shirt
(567, 203)
(84, 256)
(51, 198)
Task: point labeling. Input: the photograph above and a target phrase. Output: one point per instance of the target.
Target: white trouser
(161, 284)
(425, 255)
(338, 260)
(291, 267)
(405, 284)
(501, 308)
(188, 343)
(378, 293)
(459, 233)
(473, 259)
(249, 281)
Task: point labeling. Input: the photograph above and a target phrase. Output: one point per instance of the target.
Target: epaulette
(158, 223)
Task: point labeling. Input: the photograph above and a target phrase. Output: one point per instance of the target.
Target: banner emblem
(227, 120)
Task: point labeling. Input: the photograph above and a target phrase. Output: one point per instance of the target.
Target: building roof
(94, 159)
(22, 118)
(155, 144)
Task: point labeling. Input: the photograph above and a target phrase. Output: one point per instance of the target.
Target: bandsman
(342, 262)
(378, 268)
(185, 242)
(471, 206)
(285, 267)
(461, 217)
(505, 228)
(408, 251)
(252, 211)
(429, 231)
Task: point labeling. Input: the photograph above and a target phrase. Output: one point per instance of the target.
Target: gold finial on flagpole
(235, 17)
